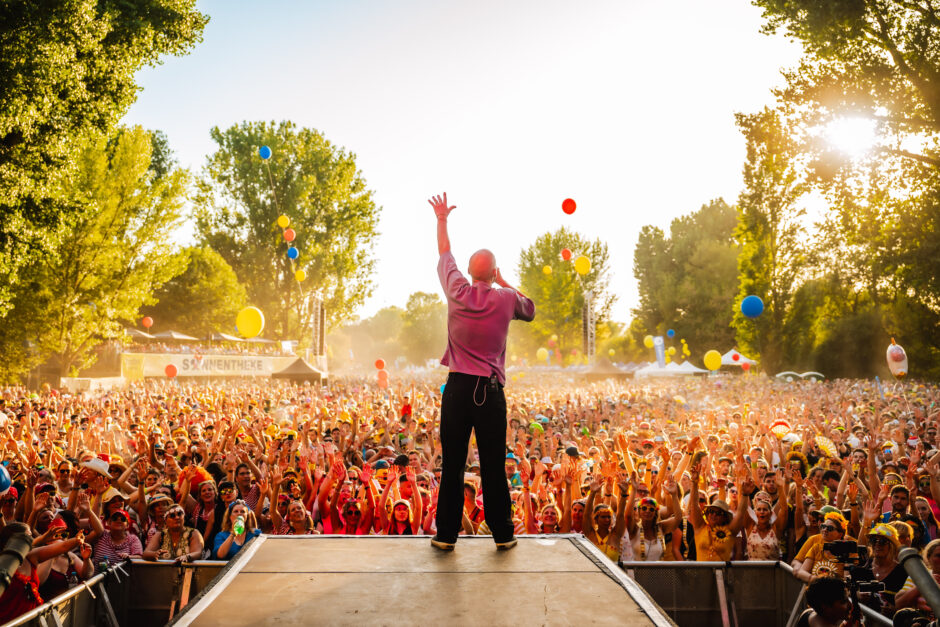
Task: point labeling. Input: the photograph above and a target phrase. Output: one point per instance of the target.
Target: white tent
(686, 367)
(728, 359)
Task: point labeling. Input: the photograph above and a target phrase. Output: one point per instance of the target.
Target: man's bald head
(483, 266)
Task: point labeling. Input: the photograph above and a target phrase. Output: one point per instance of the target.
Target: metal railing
(743, 593)
(136, 592)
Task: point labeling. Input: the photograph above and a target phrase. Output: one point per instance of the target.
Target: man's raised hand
(441, 210)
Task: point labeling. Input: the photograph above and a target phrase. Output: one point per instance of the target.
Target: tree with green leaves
(204, 299)
(688, 280)
(423, 333)
(770, 232)
(67, 69)
(115, 250)
(559, 296)
(318, 187)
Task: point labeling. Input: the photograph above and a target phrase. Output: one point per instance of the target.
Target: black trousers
(473, 403)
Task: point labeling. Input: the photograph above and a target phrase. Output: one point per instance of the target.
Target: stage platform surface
(382, 580)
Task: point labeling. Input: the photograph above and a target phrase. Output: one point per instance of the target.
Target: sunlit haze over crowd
(510, 107)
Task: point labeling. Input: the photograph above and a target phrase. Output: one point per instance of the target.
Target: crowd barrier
(136, 592)
(719, 594)
(727, 594)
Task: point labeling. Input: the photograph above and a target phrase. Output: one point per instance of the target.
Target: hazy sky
(510, 106)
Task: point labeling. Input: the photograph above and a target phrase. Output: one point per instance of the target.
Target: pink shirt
(478, 319)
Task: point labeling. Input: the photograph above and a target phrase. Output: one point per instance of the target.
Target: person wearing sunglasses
(118, 544)
(228, 543)
(59, 573)
(176, 541)
(647, 527)
(819, 562)
(884, 544)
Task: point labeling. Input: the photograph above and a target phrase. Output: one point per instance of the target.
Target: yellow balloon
(300, 275)
(541, 354)
(582, 265)
(611, 352)
(250, 322)
(713, 360)
(672, 350)
(283, 221)
(648, 341)
(554, 337)
(547, 269)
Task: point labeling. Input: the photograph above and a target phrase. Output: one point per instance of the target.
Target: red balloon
(289, 235)
(170, 371)
(735, 357)
(745, 366)
(379, 364)
(147, 322)
(568, 206)
(566, 254)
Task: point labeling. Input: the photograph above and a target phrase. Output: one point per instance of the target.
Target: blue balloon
(671, 332)
(293, 253)
(5, 481)
(264, 152)
(752, 306)
(443, 385)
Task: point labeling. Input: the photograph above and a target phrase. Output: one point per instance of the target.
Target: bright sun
(852, 135)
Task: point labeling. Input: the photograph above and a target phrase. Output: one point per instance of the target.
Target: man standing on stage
(478, 319)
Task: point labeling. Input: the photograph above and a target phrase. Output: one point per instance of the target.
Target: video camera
(847, 552)
(860, 579)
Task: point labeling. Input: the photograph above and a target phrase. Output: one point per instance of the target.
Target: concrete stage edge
(384, 580)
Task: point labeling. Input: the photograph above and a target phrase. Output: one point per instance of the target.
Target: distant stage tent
(173, 335)
(728, 359)
(299, 372)
(259, 340)
(138, 335)
(224, 337)
(686, 367)
(603, 369)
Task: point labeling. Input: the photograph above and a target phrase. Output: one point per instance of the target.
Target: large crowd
(708, 469)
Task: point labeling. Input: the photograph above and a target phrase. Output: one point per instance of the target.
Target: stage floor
(381, 580)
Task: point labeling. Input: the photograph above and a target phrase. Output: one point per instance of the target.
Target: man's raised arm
(441, 210)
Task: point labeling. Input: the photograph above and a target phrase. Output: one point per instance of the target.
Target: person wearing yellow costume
(716, 528)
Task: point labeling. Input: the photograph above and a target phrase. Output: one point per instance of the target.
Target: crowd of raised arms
(709, 469)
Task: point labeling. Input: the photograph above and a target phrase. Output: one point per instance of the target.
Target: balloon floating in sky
(5, 481)
(292, 253)
(582, 265)
(289, 235)
(249, 322)
(147, 322)
(648, 341)
(380, 364)
(170, 371)
(745, 366)
(547, 269)
(611, 352)
(566, 254)
(264, 152)
(671, 333)
(897, 359)
(713, 360)
(568, 206)
(541, 354)
(283, 221)
(752, 306)
(735, 357)
(300, 275)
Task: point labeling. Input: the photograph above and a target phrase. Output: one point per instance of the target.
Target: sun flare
(854, 136)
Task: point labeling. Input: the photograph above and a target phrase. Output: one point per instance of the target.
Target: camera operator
(884, 567)
(829, 604)
(820, 562)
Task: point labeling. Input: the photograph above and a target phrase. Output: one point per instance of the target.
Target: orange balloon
(379, 364)
(170, 371)
(289, 235)
(147, 322)
(568, 206)
(566, 254)
(383, 375)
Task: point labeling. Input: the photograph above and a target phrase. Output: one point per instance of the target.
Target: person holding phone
(478, 318)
